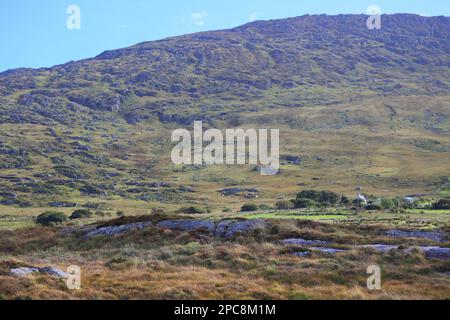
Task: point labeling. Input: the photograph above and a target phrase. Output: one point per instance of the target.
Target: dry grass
(164, 264)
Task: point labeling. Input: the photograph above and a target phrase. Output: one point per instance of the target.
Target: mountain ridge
(355, 106)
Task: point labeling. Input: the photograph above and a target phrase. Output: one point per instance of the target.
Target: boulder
(115, 230)
(188, 225)
(54, 272)
(304, 242)
(24, 271)
(436, 252)
(229, 228)
(51, 271)
(431, 235)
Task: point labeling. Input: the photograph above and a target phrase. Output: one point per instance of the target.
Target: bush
(442, 204)
(51, 218)
(158, 211)
(120, 213)
(226, 210)
(80, 214)
(345, 200)
(249, 207)
(388, 203)
(191, 210)
(372, 207)
(324, 197)
(284, 205)
(305, 203)
(264, 207)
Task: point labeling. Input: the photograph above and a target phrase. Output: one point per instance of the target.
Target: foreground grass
(167, 264)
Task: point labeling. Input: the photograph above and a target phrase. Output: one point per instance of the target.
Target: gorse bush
(51, 218)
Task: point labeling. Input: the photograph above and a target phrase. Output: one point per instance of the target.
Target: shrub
(51, 218)
(264, 207)
(192, 210)
(158, 211)
(120, 213)
(284, 205)
(324, 197)
(305, 203)
(80, 214)
(372, 207)
(442, 204)
(345, 200)
(388, 203)
(249, 207)
(226, 210)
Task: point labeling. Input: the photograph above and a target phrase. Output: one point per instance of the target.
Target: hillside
(354, 106)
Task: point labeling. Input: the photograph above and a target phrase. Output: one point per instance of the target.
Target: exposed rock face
(380, 247)
(51, 271)
(328, 250)
(229, 228)
(188, 225)
(226, 228)
(432, 235)
(54, 272)
(24, 271)
(436, 252)
(431, 252)
(303, 242)
(115, 230)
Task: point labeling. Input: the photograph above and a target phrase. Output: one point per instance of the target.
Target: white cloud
(199, 18)
(253, 16)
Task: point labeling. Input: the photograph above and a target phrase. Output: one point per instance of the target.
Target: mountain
(355, 106)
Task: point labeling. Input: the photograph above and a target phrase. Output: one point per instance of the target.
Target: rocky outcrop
(431, 252)
(431, 235)
(225, 228)
(26, 271)
(436, 252)
(23, 271)
(230, 228)
(188, 225)
(303, 242)
(115, 230)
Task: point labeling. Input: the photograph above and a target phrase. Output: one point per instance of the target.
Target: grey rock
(432, 235)
(61, 204)
(54, 272)
(24, 271)
(433, 252)
(304, 242)
(328, 250)
(229, 228)
(226, 228)
(380, 247)
(188, 225)
(115, 230)
(302, 254)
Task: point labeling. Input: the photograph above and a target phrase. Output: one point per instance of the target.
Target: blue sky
(33, 33)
